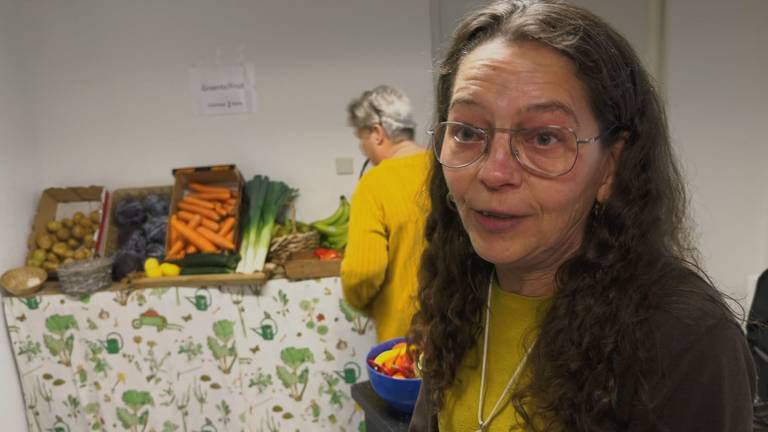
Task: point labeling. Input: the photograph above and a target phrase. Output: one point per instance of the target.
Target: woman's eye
(466, 134)
(545, 137)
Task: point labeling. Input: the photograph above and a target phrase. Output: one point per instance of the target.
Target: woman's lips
(495, 221)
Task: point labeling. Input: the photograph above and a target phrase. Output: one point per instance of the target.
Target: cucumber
(185, 271)
(209, 260)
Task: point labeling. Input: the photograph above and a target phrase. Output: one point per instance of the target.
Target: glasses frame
(489, 133)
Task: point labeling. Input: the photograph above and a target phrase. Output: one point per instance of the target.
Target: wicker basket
(23, 281)
(83, 277)
(281, 248)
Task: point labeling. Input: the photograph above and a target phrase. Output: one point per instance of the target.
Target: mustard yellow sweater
(386, 239)
(513, 326)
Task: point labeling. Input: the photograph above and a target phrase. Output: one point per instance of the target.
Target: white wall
(112, 104)
(19, 175)
(717, 89)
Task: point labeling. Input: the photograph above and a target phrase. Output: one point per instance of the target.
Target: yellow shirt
(386, 239)
(514, 320)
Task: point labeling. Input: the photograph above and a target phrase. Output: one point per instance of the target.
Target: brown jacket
(707, 379)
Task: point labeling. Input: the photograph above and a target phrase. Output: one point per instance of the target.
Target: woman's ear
(611, 163)
(377, 134)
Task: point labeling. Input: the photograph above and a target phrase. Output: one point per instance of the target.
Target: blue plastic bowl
(400, 393)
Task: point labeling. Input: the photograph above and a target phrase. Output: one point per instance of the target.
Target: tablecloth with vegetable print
(280, 357)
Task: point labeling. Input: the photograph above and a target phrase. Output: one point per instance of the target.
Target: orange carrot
(210, 214)
(194, 237)
(226, 226)
(231, 236)
(177, 247)
(191, 249)
(195, 222)
(185, 215)
(198, 202)
(211, 196)
(215, 238)
(198, 187)
(231, 202)
(173, 234)
(220, 210)
(230, 209)
(211, 225)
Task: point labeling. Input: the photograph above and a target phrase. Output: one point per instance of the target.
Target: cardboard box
(112, 230)
(217, 175)
(59, 203)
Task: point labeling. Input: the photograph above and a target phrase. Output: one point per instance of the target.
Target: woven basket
(83, 277)
(281, 248)
(23, 281)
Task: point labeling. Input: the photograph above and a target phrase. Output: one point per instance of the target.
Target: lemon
(168, 269)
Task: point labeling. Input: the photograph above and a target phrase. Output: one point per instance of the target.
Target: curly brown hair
(593, 363)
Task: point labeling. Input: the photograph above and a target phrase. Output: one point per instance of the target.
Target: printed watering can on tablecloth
(113, 344)
(267, 328)
(31, 302)
(351, 372)
(202, 299)
(60, 426)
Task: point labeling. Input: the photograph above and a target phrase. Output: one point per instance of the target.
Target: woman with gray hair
(383, 123)
(387, 215)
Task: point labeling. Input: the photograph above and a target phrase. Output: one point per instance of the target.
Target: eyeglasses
(550, 151)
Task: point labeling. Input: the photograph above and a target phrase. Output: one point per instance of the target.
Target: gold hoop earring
(450, 201)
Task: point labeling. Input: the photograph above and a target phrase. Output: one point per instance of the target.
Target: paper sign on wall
(223, 89)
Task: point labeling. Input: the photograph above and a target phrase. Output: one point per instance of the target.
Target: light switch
(344, 166)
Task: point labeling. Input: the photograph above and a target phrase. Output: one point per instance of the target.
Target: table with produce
(199, 306)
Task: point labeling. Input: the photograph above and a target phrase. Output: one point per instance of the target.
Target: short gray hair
(386, 106)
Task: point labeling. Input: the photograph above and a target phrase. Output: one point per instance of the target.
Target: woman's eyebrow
(550, 106)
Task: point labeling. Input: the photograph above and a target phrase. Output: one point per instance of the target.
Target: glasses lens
(549, 150)
(457, 145)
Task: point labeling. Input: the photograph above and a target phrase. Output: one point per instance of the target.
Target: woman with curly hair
(559, 289)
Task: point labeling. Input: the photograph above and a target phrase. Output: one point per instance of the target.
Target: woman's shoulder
(688, 308)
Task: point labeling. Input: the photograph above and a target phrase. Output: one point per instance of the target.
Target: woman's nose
(500, 166)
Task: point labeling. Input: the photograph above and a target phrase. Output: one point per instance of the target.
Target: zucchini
(186, 271)
(209, 260)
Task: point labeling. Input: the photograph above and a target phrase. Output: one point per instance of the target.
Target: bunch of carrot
(204, 222)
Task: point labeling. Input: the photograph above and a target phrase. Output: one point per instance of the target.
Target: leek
(265, 200)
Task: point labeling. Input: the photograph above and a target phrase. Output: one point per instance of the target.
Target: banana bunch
(333, 229)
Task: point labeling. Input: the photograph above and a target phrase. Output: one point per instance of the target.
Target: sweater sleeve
(710, 386)
(365, 259)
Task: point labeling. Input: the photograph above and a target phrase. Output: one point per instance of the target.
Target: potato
(78, 216)
(73, 243)
(50, 266)
(78, 232)
(68, 261)
(38, 255)
(34, 263)
(68, 223)
(60, 249)
(51, 257)
(89, 242)
(54, 226)
(96, 217)
(44, 241)
(81, 254)
(63, 234)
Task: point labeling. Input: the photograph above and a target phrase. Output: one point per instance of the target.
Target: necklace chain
(483, 424)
